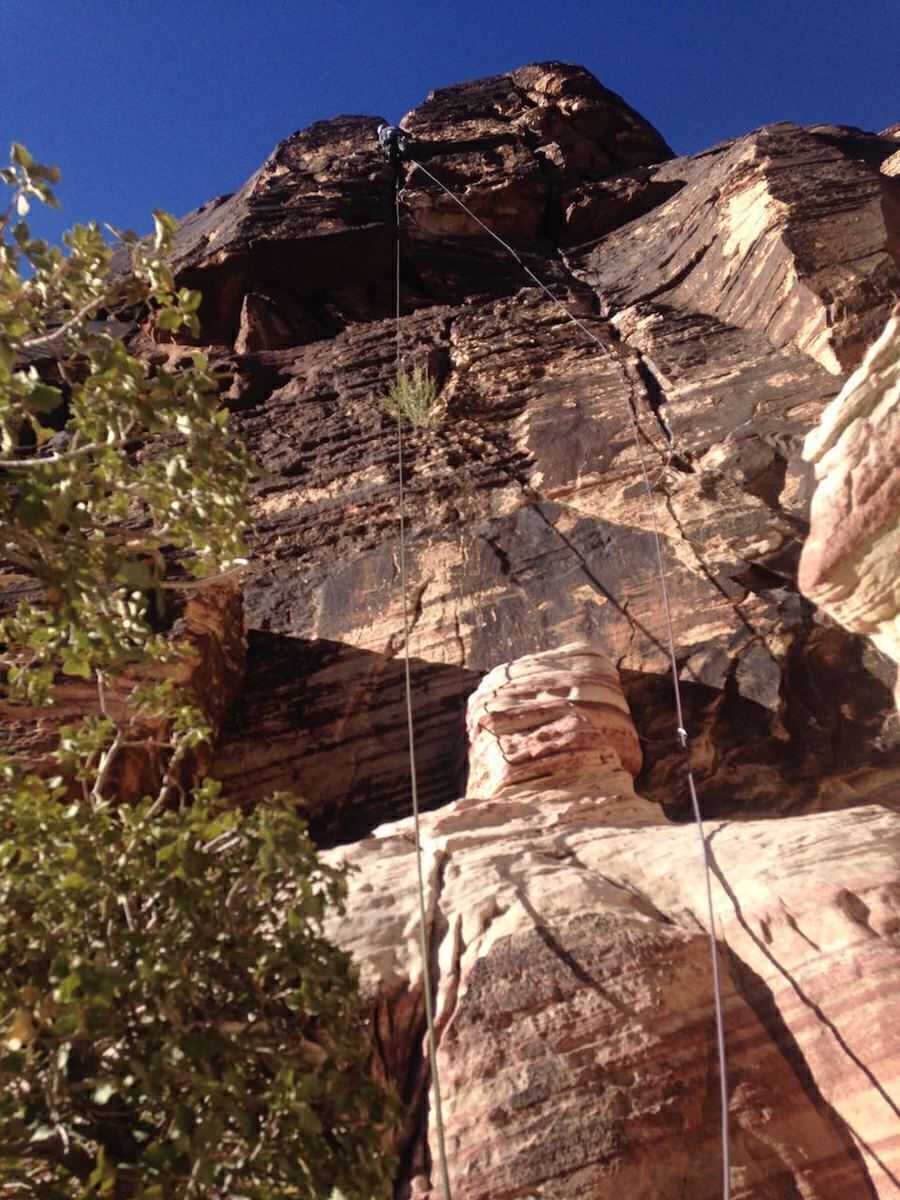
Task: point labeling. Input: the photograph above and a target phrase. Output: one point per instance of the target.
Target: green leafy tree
(173, 1022)
(112, 465)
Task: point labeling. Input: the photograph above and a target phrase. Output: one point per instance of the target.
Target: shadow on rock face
(829, 740)
(327, 721)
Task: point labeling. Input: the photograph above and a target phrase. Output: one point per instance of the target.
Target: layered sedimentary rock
(753, 242)
(721, 300)
(528, 520)
(850, 565)
(572, 979)
(539, 151)
(549, 720)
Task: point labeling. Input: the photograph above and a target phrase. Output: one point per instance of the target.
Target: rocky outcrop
(557, 719)
(728, 294)
(754, 244)
(849, 565)
(304, 248)
(720, 300)
(572, 979)
(528, 519)
(544, 150)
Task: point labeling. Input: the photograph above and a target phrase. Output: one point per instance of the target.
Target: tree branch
(169, 784)
(47, 339)
(108, 756)
(49, 459)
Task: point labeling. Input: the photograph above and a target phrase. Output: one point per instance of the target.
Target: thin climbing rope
(681, 732)
(423, 918)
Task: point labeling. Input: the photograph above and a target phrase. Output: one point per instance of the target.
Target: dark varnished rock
(783, 231)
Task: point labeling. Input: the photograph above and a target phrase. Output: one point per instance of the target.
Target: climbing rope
(404, 589)
(680, 731)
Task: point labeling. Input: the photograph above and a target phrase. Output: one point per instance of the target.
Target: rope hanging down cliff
(395, 143)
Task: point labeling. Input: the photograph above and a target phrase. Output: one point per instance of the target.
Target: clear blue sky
(147, 103)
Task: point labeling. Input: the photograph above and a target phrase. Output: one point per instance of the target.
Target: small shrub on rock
(413, 398)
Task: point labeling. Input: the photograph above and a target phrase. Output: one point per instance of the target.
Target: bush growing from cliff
(413, 397)
(173, 1022)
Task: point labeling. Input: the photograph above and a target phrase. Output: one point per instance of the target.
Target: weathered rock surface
(552, 719)
(304, 248)
(891, 163)
(573, 988)
(851, 560)
(728, 295)
(750, 240)
(528, 521)
(545, 149)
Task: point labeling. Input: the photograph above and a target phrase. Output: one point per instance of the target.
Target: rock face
(754, 245)
(851, 560)
(557, 719)
(720, 302)
(542, 150)
(729, 294)
(528, 522)
(572, 987)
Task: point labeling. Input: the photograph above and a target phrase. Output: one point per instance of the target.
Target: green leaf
(190, 300)
(20, 156)
(77, 666)
(31, 511)
(103, 1093)
(169, 319)
(43, 171)
(43, 398)
(170, 943)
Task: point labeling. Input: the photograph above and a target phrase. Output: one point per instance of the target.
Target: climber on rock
(394, 143)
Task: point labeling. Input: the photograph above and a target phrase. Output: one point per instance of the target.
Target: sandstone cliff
(573, 986)
(850, 560)
(762, 267)
(733, 293)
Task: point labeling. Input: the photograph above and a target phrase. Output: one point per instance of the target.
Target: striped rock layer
(729, 295)
(572, 979)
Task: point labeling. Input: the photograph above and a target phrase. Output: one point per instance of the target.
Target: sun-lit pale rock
(851, 560)
(572, 978)
(558, 717)
(761, 236)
